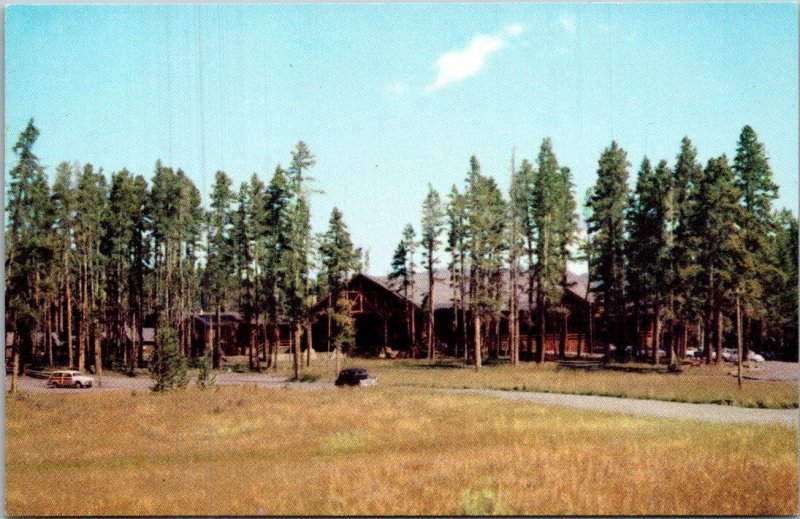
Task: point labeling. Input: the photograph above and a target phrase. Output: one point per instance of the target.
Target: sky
(392, 97)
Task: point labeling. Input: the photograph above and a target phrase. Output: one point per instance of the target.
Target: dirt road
(675, 410)
(143, 383)
(678, 410)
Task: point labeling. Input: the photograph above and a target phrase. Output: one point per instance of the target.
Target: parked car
(755, 357)
(691, 352)
(730, 355)
(768, 355)
(69, 378)
(355, 377)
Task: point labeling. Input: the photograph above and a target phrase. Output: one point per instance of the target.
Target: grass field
(243, 450)
(702, 384)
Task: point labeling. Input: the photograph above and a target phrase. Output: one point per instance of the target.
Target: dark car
(355, 377)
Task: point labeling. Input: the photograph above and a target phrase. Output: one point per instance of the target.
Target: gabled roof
(225, 318)
(148, 334)
(443, 290)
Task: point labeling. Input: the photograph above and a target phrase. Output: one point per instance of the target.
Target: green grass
(377, 451)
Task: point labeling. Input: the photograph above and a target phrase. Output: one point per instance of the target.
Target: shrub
(205, 377)
(167, 365)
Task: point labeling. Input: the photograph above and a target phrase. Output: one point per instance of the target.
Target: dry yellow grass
(700, 384)
(242, 450)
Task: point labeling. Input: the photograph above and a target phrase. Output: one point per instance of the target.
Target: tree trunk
(413, 331)
(562, 343)
(98, 358)
(430, 306)
(739, 341)
(83, 323)
(590, 338)
(454, 324)
(68, 319)
(529, 316)
(656, 331)
(477, 341)
(276, 341)
(14, 360)
(256, 344)
(216, 357)
(330, 307)
(541, 327)
(718, 335)
(296, 350)
(637, 318)
(513, 316)
(48, 339)
(250, 346)
(309, 341)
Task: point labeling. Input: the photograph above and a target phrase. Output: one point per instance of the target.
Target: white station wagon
(69, 378)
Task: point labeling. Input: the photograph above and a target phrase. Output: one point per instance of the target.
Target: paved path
(679, 410)
(773, 370)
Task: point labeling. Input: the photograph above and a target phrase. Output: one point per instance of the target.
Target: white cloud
(567, 22)
(397, 88)
(562, 50)
(455, 65)
(515, 29)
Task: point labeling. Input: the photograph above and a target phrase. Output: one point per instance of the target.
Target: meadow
(248, 451)
(698, 384)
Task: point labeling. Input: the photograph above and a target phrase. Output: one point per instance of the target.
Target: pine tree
(566, 230)
(486, 216)
(649, 246)
(91, 212)
(339, 260)
(517, 209)
(64, 205)
(344, 333)
(241, 247)
(606, 227)
(553, 210)
(721, 255)
(527, 208)
(122, 244)
(259, 234)
(754, 180)
(299, 250)
(220, 254)
(403, 272)
(781, 285)
(30, 248)
(432, 227)
(686, 175)
(457, 247)
(277, 242)
(167, 366)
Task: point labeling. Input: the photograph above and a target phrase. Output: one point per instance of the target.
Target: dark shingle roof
(443, 291)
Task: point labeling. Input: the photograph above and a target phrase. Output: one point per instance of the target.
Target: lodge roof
(148, 334)
(225, 318)
(443, 290)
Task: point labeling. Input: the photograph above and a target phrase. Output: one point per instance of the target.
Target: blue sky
(390, 97)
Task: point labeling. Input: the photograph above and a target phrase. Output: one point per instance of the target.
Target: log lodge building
(380, 310)
(382, 329)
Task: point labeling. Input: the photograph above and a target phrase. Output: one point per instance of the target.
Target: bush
(205, 377)
(167, 365)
